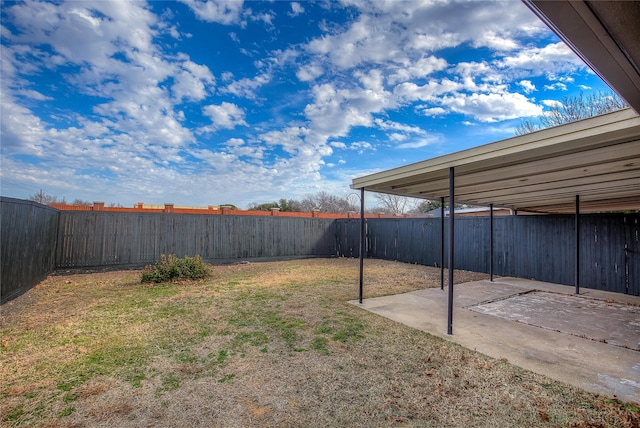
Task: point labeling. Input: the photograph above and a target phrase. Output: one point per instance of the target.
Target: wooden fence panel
(540, 247)
(28, 233)
(103, 238)
(632, 253)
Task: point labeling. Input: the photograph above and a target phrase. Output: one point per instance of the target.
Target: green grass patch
(16, 413)
(324, 329)
(67, 411)
(253, 338)
(222, 356)
(351, 333)
(70, 398)
(320, 344)
(227, 378)
(170, 382)
(136, 379)
(186, 356)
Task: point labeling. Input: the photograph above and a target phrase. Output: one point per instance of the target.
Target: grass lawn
(261, 344)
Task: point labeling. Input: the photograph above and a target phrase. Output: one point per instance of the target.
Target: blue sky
(204, 103)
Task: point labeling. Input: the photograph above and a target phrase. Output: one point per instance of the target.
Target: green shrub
(172, 268)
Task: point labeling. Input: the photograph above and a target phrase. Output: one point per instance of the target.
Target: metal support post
(451, 264)
(362, 243)
(491, 242)
(577, 245)
(442, 243)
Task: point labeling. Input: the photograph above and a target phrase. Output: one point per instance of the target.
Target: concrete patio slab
(591, 340)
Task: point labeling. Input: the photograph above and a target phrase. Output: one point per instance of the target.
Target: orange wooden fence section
(213, 210)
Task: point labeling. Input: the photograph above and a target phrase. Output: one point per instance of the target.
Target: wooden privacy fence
(28, 233)
(540, 247)
(95, 239)
(37, 239)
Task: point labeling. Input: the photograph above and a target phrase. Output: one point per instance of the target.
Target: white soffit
(596, 158)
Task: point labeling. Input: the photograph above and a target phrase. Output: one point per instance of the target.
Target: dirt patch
(260, 344)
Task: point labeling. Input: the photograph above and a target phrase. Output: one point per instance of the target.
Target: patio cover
(597, 159)
(588, 166)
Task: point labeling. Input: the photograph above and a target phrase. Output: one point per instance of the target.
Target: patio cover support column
(577, 280)
(362, 242)
(491, 242)
(451, 224)
(442, 243)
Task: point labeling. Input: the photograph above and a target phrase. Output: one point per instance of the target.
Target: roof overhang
(596, 158)
(604, 34)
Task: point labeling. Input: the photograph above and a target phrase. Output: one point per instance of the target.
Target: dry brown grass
(260, 344)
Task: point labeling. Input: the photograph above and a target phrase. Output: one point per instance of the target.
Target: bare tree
(396, 205)
(80, 202)
(43, 198)
(527, 126)
(327, 203)
(572, 109)
(323, 201)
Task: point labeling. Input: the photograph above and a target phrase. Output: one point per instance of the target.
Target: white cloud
(246, 87)
(90, 33)
(432, 111)
(225, 116)
(296, 9)
(409, 92)
(192, 82)
(389, 125)
(558, 86)
(548, 60)
(234, 142)
(552, 103)
(309, 72)
(417, 143)
(527, 86)
(221, 11)
(34, 95)
(361, 146)
(401, 33)
(496, 41)
(492, 107)
(331, 113)
(21, 131)
(266, 18)
(291, 139)
(418, 69)
(395, 136)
